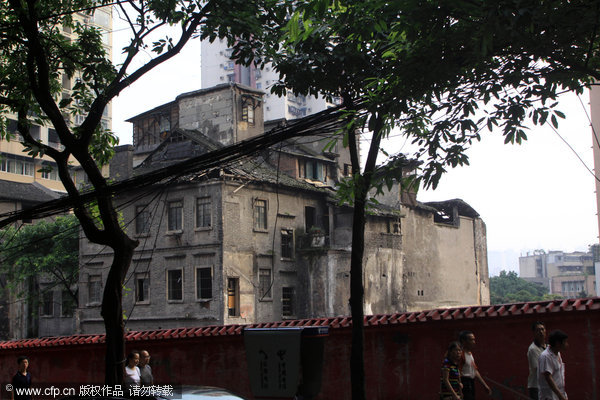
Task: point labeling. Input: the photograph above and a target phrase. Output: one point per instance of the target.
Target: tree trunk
(362, 184)
(357, 362)
(112, 311)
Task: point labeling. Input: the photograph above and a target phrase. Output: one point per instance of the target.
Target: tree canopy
(48, 248)
(45, 43)
(509, 288)
(440, 71)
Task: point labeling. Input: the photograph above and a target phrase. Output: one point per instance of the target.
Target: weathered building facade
(565, 274)
(264, 238)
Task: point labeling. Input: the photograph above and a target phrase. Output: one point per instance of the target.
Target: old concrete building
(264, 238)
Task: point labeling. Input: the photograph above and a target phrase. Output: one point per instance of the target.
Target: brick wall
(403, 352)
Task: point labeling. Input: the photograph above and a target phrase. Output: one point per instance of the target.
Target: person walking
(451, 387)
(146, 378)
(551, 369)
(469, 372)
(132, 372)
(22, 379)
(533, 354)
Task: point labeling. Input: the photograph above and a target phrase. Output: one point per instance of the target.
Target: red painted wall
(402, 359)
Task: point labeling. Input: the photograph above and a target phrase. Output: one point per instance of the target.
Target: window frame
(260, 222)
(95, 286)
(289, 253)
(142, 276)
(142, 216)
(170, 292)
(47, 306)
(248, 113)
(62, 304)
(265, 282)
(170, 208)
(206, 203)
(288, 301)
(198, 284)
(233, 294)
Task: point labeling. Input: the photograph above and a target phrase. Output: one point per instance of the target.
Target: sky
(537, 195)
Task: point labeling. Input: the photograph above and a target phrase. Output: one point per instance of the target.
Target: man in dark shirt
(146, 378)
(22, 379)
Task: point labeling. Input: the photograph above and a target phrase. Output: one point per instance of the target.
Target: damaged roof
(192, 143)
(448, 206)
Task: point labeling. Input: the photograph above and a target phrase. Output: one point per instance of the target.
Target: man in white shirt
(533, 354)
(551, 369)
(468, 369)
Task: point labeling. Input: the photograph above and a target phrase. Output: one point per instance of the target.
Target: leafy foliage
(48, 248)
(37, 56)
(441, 72)
(509, 288)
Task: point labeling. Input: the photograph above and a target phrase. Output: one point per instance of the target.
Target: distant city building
(218, 68)
(564, 274)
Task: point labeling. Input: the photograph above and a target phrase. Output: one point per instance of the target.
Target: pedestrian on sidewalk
(551, 369)
(468, 368)
(451, 385)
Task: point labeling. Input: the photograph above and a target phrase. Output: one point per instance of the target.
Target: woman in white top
(132, 372)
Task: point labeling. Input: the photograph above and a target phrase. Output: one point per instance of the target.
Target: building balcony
(314, 239)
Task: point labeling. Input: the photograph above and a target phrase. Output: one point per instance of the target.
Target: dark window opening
(204, 283)
(310, 217)
(287, 243)
(48, 304)
(175, 284)
(175, 217)
(288, 302)
(142, 288)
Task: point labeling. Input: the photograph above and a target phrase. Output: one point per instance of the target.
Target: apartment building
(564, 274)
(265, 238)
(218, 68)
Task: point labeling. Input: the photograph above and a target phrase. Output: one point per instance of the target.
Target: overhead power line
(327, 121)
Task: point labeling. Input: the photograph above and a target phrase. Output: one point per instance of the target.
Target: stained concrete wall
(444, 265)
(217, 113)
(262, 248)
